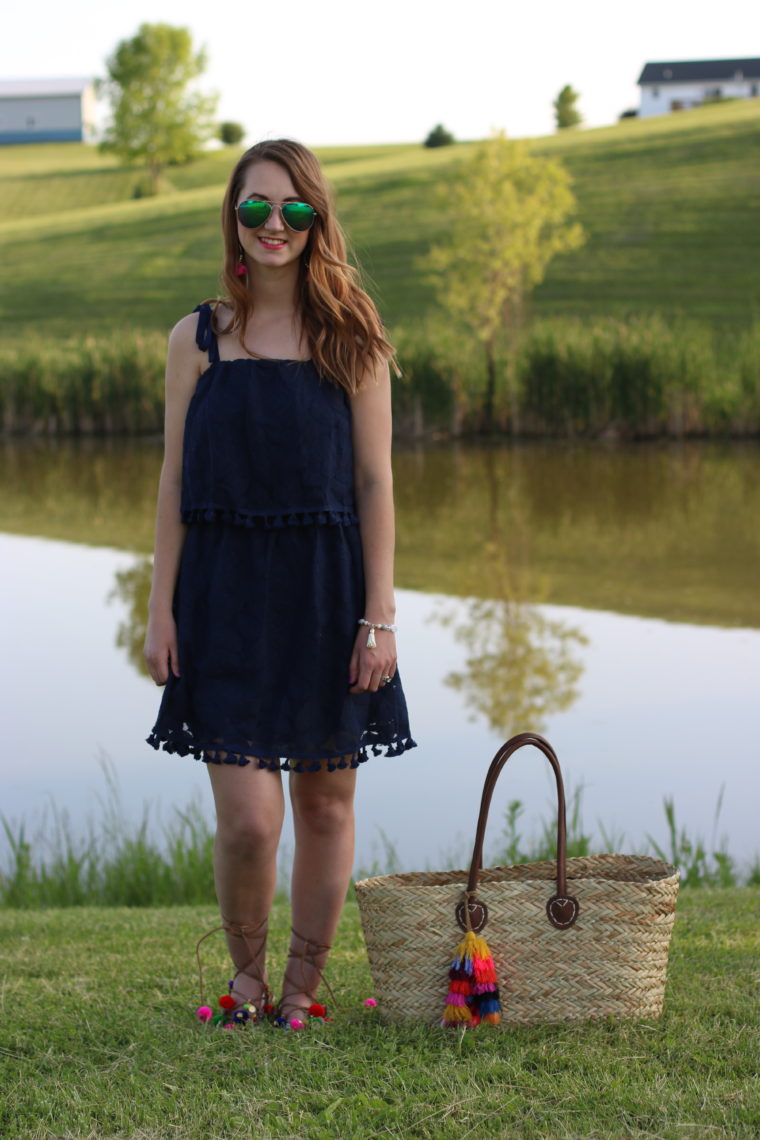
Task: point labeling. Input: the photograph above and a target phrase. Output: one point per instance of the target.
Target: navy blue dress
(271, 580)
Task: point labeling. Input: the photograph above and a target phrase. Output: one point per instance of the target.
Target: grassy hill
(671, 207)
(124, 1056)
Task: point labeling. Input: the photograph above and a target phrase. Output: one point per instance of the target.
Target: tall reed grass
(111, 862)
(701, 863)
(146, 863)
(643, 377)
(95, 385)
(569, 378)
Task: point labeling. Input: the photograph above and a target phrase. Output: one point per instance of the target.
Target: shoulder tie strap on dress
(205, 337)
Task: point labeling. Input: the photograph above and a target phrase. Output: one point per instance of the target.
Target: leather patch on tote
(562, 912)
(478, 915)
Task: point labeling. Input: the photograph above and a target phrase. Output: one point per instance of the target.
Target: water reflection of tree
(521, 665)
(132, 587)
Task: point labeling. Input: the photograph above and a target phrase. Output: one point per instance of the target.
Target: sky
(357, 71)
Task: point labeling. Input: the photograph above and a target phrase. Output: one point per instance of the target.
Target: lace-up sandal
(293, 1012)
(236, 1007)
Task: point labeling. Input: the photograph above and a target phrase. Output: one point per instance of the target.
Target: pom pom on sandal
(236, 1010)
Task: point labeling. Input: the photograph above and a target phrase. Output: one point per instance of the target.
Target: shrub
(231, 133)
(439, 136)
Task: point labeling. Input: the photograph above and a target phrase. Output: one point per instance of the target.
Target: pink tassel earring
(241, 268)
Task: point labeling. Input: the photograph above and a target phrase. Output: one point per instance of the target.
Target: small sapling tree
(508, 212)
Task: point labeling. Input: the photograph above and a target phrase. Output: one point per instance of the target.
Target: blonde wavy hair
(343, 330)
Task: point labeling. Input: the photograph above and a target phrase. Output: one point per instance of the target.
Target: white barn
(46, 110)
(687, 83)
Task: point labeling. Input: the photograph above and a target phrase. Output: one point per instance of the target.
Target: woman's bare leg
(323, 818)
(250, 808)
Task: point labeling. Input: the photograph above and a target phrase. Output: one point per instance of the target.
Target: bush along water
(94, 385)
(609, 378)
(637, 378)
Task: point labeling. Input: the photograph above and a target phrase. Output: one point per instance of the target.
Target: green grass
(109, 260)
(99, 1041)
(670, 206)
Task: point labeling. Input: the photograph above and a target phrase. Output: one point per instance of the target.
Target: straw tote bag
(570, 938)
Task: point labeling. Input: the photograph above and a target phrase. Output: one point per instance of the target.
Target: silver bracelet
(373, 625)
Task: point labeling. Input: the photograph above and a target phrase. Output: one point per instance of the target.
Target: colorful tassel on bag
(473, 990)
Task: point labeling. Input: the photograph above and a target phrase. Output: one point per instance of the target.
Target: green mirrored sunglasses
(297, 216)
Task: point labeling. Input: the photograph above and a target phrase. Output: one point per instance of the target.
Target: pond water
(607, 598)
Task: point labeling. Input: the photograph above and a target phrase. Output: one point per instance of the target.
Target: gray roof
(700, 70)
(10, 88)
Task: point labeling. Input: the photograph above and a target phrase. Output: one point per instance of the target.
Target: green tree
(156, 119)
(231, 133)
(509, 212)
(566, 113)
(439, 136)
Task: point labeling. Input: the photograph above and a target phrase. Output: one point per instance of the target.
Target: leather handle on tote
(561, 908)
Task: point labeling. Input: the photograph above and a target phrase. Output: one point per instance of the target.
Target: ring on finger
(385, 679)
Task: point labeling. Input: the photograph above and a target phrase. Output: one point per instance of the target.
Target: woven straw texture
(612, 962)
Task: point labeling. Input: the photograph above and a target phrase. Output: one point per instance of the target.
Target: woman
(271, 618)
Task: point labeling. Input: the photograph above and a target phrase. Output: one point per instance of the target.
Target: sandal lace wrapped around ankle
(245, 1011)
(314, 1011)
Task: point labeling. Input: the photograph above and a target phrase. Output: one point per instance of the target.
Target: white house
(46, 110)
(687, 83)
